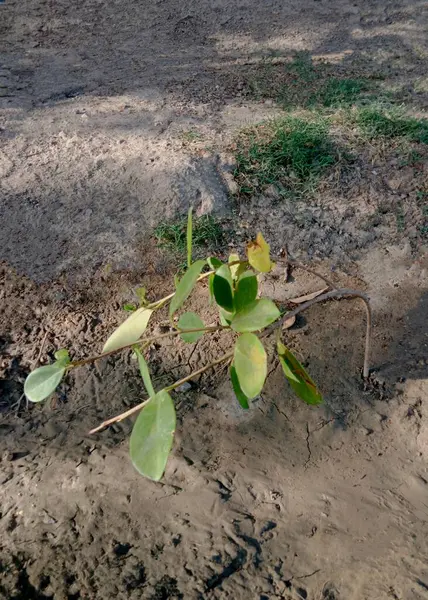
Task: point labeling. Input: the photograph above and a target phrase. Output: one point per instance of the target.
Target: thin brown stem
(297, 265)
(339, 293)
(173, 386)
(145, 341)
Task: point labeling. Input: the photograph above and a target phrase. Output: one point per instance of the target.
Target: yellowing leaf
(130, 331)
(307, 297)
(297, 377)
(258, 254)
(250, 362)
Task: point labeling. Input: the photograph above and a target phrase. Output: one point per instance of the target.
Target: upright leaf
(130, 331)
(258, 254)
(246, 290)
(297, 376)
(42, 382)
(250, 362)
(189, 238)
(240, 396)
(211, 287)
(185, 286)
(234, 268)
(214, 262)
(152, 435)
(191, 320)
(141, 295)
(62, 357)
(144, 370)
(257, 315)
(223, 288)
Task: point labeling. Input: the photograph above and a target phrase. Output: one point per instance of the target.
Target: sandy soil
(283, 502)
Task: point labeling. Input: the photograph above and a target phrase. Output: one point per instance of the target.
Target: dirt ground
(286, 501)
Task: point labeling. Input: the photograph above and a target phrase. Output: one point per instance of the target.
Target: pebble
(184, 387)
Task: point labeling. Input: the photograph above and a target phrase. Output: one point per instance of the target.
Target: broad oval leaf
(145, 373)
(257, 315)
(223, 288)
(258, 254)
(240, 396)
(191, 320)
(185, 286)
(152, 435)
(297, 376)
(42, 382)
(246, 290)
(250, 362)
(130, 331)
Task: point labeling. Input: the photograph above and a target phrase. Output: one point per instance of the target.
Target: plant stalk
(145, 341)
(169, 388)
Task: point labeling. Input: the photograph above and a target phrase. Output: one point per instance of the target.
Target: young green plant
(233, 287)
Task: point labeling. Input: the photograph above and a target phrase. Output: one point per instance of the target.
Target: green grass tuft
(339, 92)
(207, 233)
(290, 154)
(378, 123)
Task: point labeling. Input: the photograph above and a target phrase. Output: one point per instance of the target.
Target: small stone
(184, 387)
(230, 182)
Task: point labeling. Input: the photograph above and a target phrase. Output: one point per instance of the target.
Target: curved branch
(339, 293)
(297, 265)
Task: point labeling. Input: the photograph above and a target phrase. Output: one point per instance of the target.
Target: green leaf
(185, 286)
(62, 357)
(129, 307)
(144, 370)
(130, 331)
(191, 320)
(189, 238)
(211, 287)
(223, 288)
(258, 254)
(225, 317)
(141, 295)
(152, 435)
(42, 382)
(214, 262)
(297, 376)
(246, 290)
(241, 397)
(250, 362)
(257, 315)
(234, 268)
